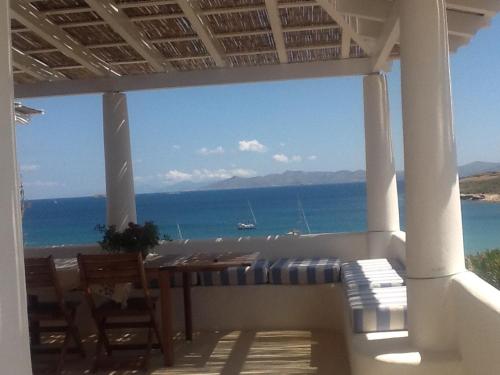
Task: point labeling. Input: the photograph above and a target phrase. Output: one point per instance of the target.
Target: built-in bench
(375, 289)
(376, 295)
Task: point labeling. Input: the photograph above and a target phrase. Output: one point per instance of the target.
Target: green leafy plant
(134, 238)
(486, 265)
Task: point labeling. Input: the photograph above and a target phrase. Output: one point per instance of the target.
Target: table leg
(34, 325)
(188, 319)
(166, 317)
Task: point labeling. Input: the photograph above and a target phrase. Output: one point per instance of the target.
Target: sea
(216, 213)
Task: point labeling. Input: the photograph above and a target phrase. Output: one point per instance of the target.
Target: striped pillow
(378, 310)
(372, 273)
(257, 273)
(305, 271)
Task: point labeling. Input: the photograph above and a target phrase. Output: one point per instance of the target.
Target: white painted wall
(346, 246)
(259, 306)
(476, 306)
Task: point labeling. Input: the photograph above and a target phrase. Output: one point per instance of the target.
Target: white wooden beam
(346, 44)
(465, 24)
(329, 7)
(459, 24)
(273, 16)
(376, 10)
(265, 73)
(486, 7)
(146, 3)
(387, 40)
(43, 28)
(191, 11)
(118, 20)
(33, 67)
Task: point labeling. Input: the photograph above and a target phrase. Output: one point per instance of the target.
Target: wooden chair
(113, 269)
(58, 316)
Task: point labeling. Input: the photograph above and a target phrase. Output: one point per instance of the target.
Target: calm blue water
(211, 214)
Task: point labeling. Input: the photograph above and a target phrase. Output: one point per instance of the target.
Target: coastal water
(212, 214)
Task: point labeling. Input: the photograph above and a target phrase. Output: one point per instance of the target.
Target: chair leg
(156, 330)
(64, 351)
(101, 327)
(75, 333)
(97, 358)
(101, 341)
(148, 348)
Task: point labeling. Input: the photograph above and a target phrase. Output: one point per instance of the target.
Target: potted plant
(134, 238)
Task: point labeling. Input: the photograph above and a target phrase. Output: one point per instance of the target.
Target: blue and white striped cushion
(372, 273)
(257, 273)
(378, 310)
(305, 271)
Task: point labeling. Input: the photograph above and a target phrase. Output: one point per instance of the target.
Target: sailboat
(179, 232)
(248, 225)
(302, 217)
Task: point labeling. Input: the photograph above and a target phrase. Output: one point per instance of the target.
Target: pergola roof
(78, 46)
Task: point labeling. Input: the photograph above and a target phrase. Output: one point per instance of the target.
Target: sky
(197, 135)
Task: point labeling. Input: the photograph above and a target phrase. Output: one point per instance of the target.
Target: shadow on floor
(227, 353)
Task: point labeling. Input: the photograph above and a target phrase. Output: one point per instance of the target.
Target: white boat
(248, 225)
(245, 226)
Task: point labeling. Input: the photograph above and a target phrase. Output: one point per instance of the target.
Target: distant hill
(485, 183)
(478, 167)
(293, 178)
(289, 178)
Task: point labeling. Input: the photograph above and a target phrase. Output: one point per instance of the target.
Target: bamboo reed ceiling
(164, 35)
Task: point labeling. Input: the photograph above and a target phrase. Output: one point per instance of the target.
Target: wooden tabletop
(203, 262)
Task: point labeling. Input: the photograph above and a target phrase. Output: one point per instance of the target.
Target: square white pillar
(14, 336)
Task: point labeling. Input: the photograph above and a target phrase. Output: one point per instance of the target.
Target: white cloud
(174, 176)
(282, 158)
(214, 151)
(176, 147)
(282, 144)
(253, 146)
(29, 167)
(312, 157)
(200, 175)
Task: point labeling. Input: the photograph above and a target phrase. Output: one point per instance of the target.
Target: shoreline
(492, 198)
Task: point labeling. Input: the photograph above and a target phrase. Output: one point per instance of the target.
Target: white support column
(120, 195)
(434, 243)
(381, 189)
(14, 337)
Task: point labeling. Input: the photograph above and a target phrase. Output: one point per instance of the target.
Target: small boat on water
(245, 226)
(302, 218)
(248, 225)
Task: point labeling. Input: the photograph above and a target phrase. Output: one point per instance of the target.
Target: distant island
(289, 178)
(298, 178)
(484, 186)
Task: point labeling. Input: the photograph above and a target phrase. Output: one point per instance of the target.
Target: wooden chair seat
(51, 310)
(135, 307)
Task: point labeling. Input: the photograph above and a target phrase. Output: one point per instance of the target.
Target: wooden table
(193, 263)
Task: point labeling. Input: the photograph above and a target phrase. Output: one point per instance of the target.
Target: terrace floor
(229, 352)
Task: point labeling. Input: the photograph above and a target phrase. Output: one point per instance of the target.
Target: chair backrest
(106, 269)
(41, 273)
(112, 269)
